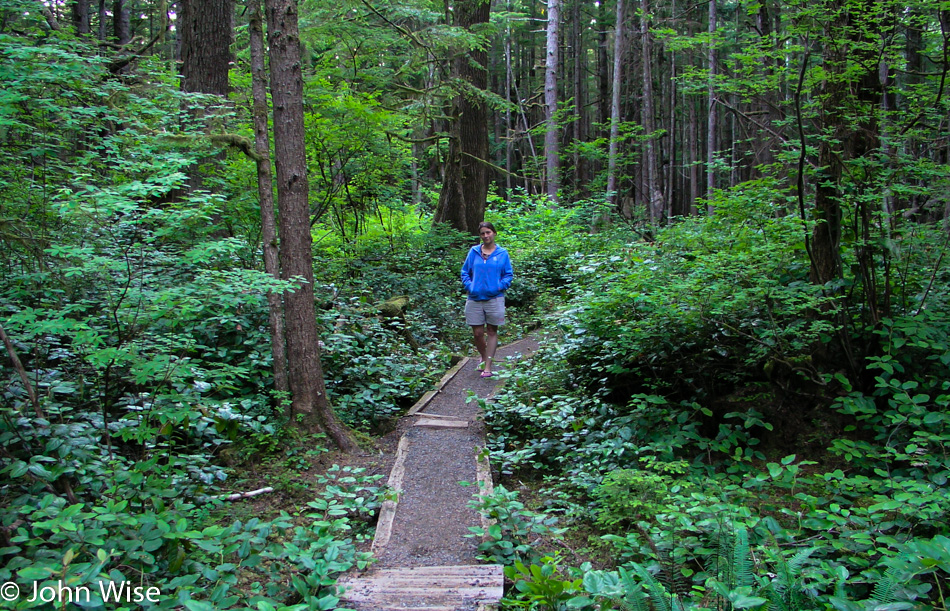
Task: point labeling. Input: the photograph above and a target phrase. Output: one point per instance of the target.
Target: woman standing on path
(486, 274)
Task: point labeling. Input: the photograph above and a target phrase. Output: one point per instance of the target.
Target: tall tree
(121, 22)
(712, 122)
(205, 28)
(465, 183)
(648, 112)
(309, 396)
(551, 134)
(581, 179)
(614, 139)
(80, 17)
(265, 187)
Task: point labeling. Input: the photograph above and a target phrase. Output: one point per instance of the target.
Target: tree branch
(498, 168)
(433, 138)
(11, 350)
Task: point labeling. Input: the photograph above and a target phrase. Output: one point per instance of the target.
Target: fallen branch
(237, 496)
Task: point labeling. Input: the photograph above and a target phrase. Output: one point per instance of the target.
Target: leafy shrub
(903, 422)
(711, 305)
(509, 538)
(627, 496)
(372, 374)
(421, 263)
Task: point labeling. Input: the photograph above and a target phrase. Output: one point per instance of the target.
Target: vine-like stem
(21, 370)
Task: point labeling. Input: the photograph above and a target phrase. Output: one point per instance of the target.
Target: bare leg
(480, 343)
(491, 344)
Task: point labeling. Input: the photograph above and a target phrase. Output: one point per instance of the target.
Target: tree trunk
(551, 134)
(712, 124)
(581, 176)
(205, 30)
(306, 372)
(465, 184)
(668, 150)
(265, 187)
(603, 80)
(103, 18)
(654, 194)
(767, 142)
(121, 22)
(80, 17)
(694, 157)
(612, 150)
(509, 127)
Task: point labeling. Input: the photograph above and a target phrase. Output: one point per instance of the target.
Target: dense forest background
(230, 238)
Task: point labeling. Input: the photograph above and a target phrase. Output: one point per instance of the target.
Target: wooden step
(433, 588)
(442, 423)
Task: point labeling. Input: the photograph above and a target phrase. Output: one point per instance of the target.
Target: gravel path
(432, 516)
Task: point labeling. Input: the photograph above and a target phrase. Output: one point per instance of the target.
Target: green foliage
(372, 373)
(512, 528)
(172, 548)
(398, 257)
(905, 417)
(142, 325)
(711, 305)
(658, 412)
(732, 581)
(540, 586)
(630, 495)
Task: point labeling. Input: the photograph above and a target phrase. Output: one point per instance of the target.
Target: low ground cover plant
(689, 413)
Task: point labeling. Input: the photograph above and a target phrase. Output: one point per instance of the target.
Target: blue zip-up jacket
(483, 279)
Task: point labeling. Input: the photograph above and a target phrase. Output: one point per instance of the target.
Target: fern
(661, 597)
(732, 563)
(634, 598)
(886, 587)
(742, 565)
(785, 590)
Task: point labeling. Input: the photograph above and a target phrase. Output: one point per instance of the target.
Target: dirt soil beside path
(432, 515)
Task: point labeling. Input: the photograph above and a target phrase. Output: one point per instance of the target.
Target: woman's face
(487, 235)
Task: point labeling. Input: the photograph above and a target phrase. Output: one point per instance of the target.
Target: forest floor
(432, 458)
(426, 555)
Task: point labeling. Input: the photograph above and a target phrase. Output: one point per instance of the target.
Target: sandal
(487, 374)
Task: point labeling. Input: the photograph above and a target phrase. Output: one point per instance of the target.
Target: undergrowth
(690, 412)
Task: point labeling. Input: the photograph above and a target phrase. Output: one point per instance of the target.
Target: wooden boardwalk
(421, 578)
(435, 588)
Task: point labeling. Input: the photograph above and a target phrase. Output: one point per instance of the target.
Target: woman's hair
(485, 224)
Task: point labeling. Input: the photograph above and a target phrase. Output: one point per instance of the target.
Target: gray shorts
(492, 312)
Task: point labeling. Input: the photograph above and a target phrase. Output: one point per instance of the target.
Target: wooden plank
(473, 570)
(405, 607)
(422, 402)
(431, 415)
(426, 584)
(442, 424)
(387, 512)
(362, 592)
(451, 373)
(485, 485)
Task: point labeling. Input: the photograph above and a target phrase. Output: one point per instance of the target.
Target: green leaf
(35, 573)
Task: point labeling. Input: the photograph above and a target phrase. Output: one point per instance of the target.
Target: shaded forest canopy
(729, 228)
